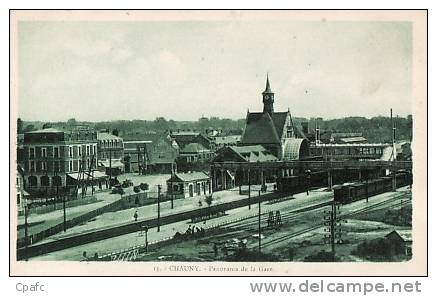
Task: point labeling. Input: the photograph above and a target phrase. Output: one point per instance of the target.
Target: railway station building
(268, 136)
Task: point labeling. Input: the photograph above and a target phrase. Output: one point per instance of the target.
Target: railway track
(318, 225)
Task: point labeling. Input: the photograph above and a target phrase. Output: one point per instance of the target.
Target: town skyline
(111, 71)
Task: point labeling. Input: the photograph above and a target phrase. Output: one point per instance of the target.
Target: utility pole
(159, 208)
(146, 242)
(26, 234)
(172, 189)
(332, 227)
(248, 175)
(259, 222)
(394, 149)
(332, 230)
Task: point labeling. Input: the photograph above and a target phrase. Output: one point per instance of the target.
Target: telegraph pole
(259, 222)
(159, 208)
(146, 242)
(172, 193)
(394, 149)
(332, 230)
(248, 174)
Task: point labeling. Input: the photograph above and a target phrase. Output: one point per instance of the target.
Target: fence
(36, 237)
(130, 227)
(57, 206)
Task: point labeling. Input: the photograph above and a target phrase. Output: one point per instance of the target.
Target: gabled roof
(261, 129)
(405, 235)
(253, 122)
(187, 177)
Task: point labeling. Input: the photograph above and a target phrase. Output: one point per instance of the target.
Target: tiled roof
(261, 129)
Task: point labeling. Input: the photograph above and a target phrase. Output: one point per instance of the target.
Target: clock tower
(268, 98)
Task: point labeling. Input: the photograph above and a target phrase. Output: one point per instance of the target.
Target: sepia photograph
(218, 142)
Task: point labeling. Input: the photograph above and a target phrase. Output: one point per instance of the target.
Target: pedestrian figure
(188, 230)
(136, 215)
(215, 249)
(200, 203)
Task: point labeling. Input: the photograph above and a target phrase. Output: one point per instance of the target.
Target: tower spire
(268, 97)
(267, 90)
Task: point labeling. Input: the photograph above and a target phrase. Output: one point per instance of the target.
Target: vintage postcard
(218, 143)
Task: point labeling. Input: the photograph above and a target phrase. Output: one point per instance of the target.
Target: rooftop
(187, 177)
(107, 136)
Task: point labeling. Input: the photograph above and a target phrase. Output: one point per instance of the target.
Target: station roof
(295, 149)
(261, 128)
(254, 153)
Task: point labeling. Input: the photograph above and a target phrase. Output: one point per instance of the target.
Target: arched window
(57, 181)
(33, 181)
(45, 181)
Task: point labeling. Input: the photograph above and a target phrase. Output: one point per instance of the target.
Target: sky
(98, 71)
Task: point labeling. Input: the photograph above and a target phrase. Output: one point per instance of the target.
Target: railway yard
(302, 232)
(291, 226)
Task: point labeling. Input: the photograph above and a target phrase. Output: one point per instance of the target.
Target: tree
(29, 128)
(47, 125)
(71, 122)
